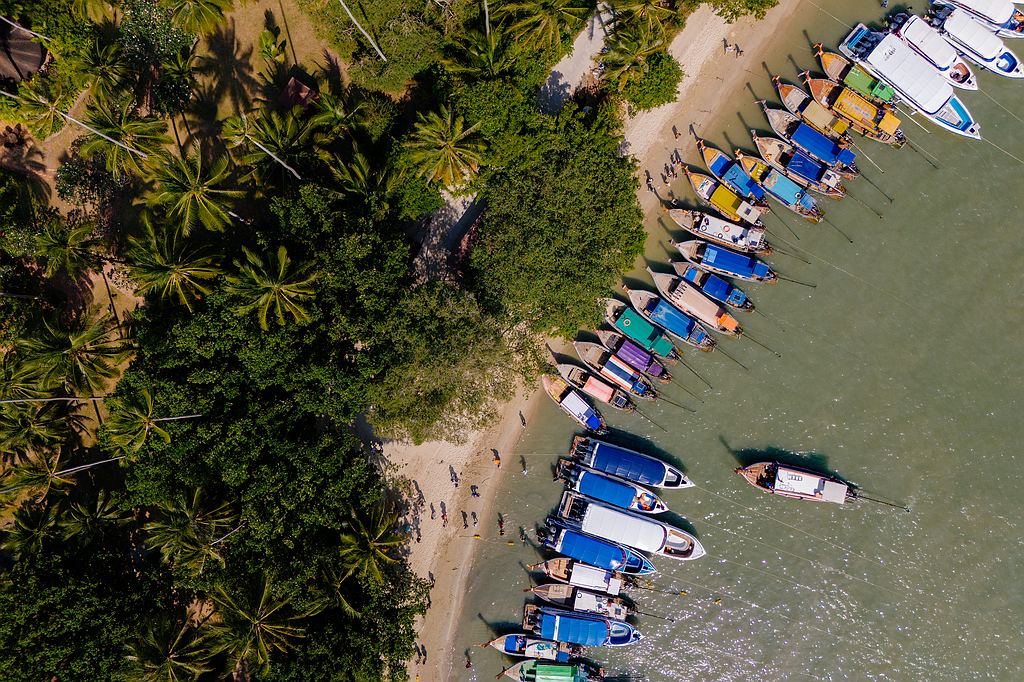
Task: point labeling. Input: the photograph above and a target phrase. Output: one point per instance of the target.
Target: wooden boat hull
(558, 390)
(614, 341)
(785, 124)
(795, 198)
(692, 301)
(698, 337)
(713, 286)
(650, 339)
(841, 70)
(611, 368)
(524, 646)
(582, 601)
(577, 377)
(775, 152)
(692, 249)
(799, 103)
(708, 227)
(578, 574)
(718, 162)
(714, 194)
(796, 483)
(826, 91)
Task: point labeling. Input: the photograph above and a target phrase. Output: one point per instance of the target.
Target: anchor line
(1001, 106)
(776, 576)
(1015, 158)
(865, 205)
(836, 228)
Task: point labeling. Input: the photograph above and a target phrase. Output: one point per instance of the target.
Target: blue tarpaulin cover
(671, 319)
(573, 629)
(625, 464)
(514, 644)
(606, 489)
(805, 166)
(737, 179)
(590, 550)
(716, 287)
(821, 147)
(782, 188)
(738, 264)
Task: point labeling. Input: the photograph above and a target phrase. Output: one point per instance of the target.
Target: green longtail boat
(633, 326)
(545, 671)
(842, 70)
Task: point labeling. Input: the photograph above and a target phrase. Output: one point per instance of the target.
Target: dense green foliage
(732, 10)
(658, 85)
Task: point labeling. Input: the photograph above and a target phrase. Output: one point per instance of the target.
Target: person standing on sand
(496, 459)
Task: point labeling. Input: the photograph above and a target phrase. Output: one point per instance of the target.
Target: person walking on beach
(496, 459)
(501, 524)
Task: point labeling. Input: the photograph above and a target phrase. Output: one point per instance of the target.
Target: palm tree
(482, 55)
(541, 24)
(80, 356)
(185, 531)
(444, 149)
(332, 114)
(89, 9)
(34, 524)
(368, 544)
(118, 129)
(42, 102)
(131, 422)
(168, 651)
(26, 430)
(653, 12)
(86, 522)
(254, 624)
(629, 53)
(38, 475)
(198, 16)
(276, 138)
(193, 195)
(68, 248)
(264, 287)
(164, 263)
(18, 381)
(104, 68)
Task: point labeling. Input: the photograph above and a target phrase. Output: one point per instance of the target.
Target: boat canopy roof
(671, 319)
(598, 389)
(805, 483)
(594, 578)
(820, 117)
(909, 73)
(626, 464)
(973, 34)
(573, 629)
(574, 403)
(593, 551)
(606, 489)
(620, 526)
(635, 356)
(822, 147)
(996, 11)
(726, 200)
(861, 81)
(738, 264)
(555, 672)
(805, 166)
(690, 299)
(617, 370)
(734, 175)
(637, 328)
(716, 287)
(928, 41)
(782, 187)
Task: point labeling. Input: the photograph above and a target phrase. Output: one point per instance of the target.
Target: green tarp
(868, 86)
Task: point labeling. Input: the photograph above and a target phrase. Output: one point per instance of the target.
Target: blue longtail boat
(788, 193)
(731, 174)
(583, 629)
(671, 319)
(799, 167)
(714, 286)
(722, 261)
(614, 491)
(594, 551)
(626, 464)
(832, 153)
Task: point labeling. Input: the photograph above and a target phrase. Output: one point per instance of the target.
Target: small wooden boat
(627, 464)
(643, 533)
(598, 552)
(869, 120)
(713, 193)
(725, 262)
(614, 369)
(843, 71)
(633, 326)
(779, 187)
(584, 381)
(634, 355)
(543, 671)
(998, 16)
(799, 103)
(579, 574)
(714, 286)
(799, 167)
(834, 154)
(574, 404)
(582, 601)
(733, 235)
(613, 490)
(668, 317)
(976, 42)
(524, 646)
(924, 39)
(692, 301)
(796, 482)
(730, 174)
(583, 629)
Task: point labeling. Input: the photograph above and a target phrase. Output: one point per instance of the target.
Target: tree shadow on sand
(228, 64)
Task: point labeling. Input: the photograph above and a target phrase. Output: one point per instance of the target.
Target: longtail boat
(529, 647)
(614, 491)
(714, 286)
(833, 153)
(843, 71)
(725, 262)
(798, 166)
(869, 120)
(582, 601)
(595, 551)
(573, 572)
(779, 187)
(692, 301)
(713, 193)
(634, 355)
(635, 327)
(574, 404)
(729, 173)
(925, 40)
(583, 629)
(799, 103)
(713, 229)
(796, 482)
(668, 317)
(543, 671)
(998, 16)
(633, 530)
(614, 369)
(584, 381)
(627, 464)
(976, 42)
(916, 82)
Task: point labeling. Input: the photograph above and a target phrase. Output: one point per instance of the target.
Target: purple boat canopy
(637, 358)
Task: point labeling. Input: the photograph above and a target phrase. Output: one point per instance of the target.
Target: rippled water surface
(901, 371)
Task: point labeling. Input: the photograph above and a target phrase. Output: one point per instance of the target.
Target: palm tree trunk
(362, 30)
(487, 20)
(171, 419)
(50, 400)
(274, 157)
(37, 35)
(4, 294)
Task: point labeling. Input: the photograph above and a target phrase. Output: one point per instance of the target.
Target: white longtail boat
(998, 16)
(712, 228)
(583, 601)
(977, 43)
(581, 379)
(923, 39)
(525, 646)
(796, 482)
(573, 404)
(573, 572)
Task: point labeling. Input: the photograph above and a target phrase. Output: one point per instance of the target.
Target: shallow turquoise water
(901, 371)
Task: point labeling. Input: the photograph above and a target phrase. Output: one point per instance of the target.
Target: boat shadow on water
(500, 627)
(642, 445)
(814, 461)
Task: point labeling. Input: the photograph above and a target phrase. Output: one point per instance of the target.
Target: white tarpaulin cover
(594, 578)
(929, 42)
(996, 11)
(791, 481)
(974, 35)
(624, 528)
(910, 74)
(576, 405)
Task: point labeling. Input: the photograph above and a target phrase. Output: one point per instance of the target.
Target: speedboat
(998, 16)
(977, 43)
(923, 39)
(614, 491)
(627, 464)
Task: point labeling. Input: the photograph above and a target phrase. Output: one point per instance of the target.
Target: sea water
(900, 370)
